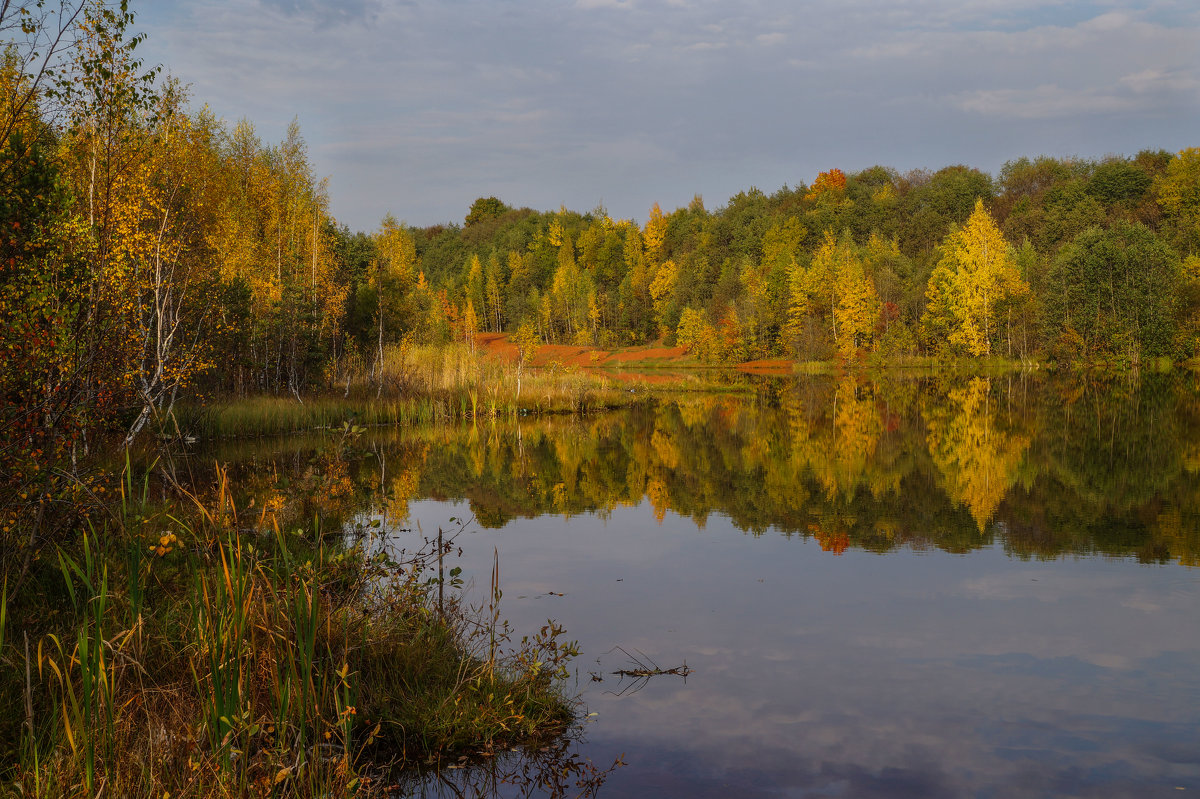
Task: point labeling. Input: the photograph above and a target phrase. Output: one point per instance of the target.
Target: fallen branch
(642, 669)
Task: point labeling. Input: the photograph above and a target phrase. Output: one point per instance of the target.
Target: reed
(261, 416)
(237, 657)
(427, 384)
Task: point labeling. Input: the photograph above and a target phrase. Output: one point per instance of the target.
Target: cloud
(524, 92)
(1161, 80)
(1112, 21)
(702, 46)
(591, 4)
(887, 50)
(1043, 102)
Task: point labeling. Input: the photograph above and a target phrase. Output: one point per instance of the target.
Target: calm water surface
(963, 587)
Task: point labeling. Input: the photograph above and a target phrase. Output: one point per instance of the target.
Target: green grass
(259, 416)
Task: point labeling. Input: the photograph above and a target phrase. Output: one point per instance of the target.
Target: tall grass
(481, 385)
(415, 386)
(200, 654)
(264, 415)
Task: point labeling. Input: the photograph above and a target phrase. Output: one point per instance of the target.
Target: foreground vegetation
(228, 655)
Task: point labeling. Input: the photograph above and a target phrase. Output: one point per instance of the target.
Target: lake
(958, 586)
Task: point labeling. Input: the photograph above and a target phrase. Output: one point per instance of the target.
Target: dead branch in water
(642, 669)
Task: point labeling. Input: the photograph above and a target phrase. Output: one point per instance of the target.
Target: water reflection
(1044, 467)
(704, 531)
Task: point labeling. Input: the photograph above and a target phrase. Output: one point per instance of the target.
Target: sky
(416, 108)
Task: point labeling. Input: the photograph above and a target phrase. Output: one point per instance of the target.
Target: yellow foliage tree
(975, 274)
(1178, 191)
(393, 276)
(835, 284)
(660, 291)
(698, 336)
(159, 265)
(655, 233)
(857, 307)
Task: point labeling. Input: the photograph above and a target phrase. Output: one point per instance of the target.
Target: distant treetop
(486, 208)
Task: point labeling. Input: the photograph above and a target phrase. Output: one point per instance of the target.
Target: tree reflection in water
(1044, 466)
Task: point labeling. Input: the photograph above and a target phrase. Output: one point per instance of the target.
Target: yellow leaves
(840, 464)
(396, 263)
(655, 232)
(403, 488)
(165, 544)
(976, 272)
(555, 233)
(978, 457)
(857, 306)
(836, 283)
(1178, 189)
(659, 496)
(782, 244)
(559, 497)
(470, 321)
(698, 336)
(661, 287)
(663, 282)
(667, 456)
(1191, 267)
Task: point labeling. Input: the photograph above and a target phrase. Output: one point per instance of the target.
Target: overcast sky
(417, 107)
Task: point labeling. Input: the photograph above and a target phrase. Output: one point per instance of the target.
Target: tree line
(152, 252)
(1052, 259)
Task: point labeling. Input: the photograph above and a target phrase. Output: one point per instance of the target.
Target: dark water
(957, 587)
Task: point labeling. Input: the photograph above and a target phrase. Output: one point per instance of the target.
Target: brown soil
(649, 354)
(771, 366)
(497, 345)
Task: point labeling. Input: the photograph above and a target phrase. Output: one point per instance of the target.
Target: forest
(155, 255)
(153, 252)
(154, 258)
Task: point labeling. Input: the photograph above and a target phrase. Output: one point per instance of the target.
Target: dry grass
(192, 653)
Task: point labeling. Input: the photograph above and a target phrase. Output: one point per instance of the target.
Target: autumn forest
(153, 251)
(156, 260)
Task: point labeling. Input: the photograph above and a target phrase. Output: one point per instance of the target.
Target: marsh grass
(422, 385)
(479, 385)
(196, 653)
(267, 415)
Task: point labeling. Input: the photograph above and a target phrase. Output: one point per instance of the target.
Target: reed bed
(416, 386)
(483, 386)
(269, 415)
(181, 650)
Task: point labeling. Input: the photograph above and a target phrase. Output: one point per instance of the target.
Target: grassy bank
(422, 385)
(179, 648)
(457, 382)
